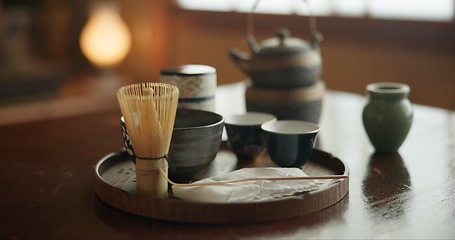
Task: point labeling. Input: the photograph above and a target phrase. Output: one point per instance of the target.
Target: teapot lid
(283, 44)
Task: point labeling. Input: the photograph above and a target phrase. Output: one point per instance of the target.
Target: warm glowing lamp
(105, 39)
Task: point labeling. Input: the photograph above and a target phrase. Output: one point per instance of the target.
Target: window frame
(383, 30)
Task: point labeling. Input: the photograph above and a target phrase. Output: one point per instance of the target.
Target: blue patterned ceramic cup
(290, 143)
(245, 136)
(197, 85)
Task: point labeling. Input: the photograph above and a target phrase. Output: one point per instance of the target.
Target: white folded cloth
(257, 190)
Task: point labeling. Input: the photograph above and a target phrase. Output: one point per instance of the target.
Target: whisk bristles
(149, 111)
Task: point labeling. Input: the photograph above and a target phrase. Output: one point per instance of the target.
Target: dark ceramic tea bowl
(195, 142)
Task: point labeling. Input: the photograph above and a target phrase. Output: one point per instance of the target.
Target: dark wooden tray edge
(195, 212)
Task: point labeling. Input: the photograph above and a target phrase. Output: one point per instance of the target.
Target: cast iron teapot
(282, 61)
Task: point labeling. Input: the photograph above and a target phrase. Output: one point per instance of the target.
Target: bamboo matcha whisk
(149, 111)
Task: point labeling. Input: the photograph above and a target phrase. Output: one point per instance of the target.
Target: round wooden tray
(115, 184)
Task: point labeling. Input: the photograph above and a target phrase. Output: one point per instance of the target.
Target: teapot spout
(252, 43)
(242, 60)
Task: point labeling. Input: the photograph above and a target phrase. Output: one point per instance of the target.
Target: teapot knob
(282, 34)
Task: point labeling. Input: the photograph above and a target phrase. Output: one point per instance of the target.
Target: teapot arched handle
(315, 34)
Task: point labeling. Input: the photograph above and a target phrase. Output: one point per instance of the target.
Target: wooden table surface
(46, 184)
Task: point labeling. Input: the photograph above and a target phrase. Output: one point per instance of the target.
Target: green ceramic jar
(387, 117)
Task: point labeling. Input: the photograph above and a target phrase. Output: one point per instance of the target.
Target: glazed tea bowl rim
(388, 87)
(249, 119)
(290, 127)
(189, 70)
(219, 121)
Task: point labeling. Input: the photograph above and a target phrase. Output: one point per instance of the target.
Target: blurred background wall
(39, 46)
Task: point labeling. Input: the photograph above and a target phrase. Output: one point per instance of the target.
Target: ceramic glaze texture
(281, 62)
(290, 143)
(286, 71)
(285, 76)
(288, 104)
(245, 136)
(197, 85)
(195, 142)
(388, 115)
(127, 140)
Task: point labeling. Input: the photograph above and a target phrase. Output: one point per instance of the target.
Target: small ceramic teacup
(245, 136)
(290, 143)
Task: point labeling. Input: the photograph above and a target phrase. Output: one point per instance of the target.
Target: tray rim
(186, 211)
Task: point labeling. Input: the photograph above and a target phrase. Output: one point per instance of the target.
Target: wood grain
(115, 184)
(46, 185)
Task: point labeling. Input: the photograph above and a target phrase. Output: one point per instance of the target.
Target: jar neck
(388, 91)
